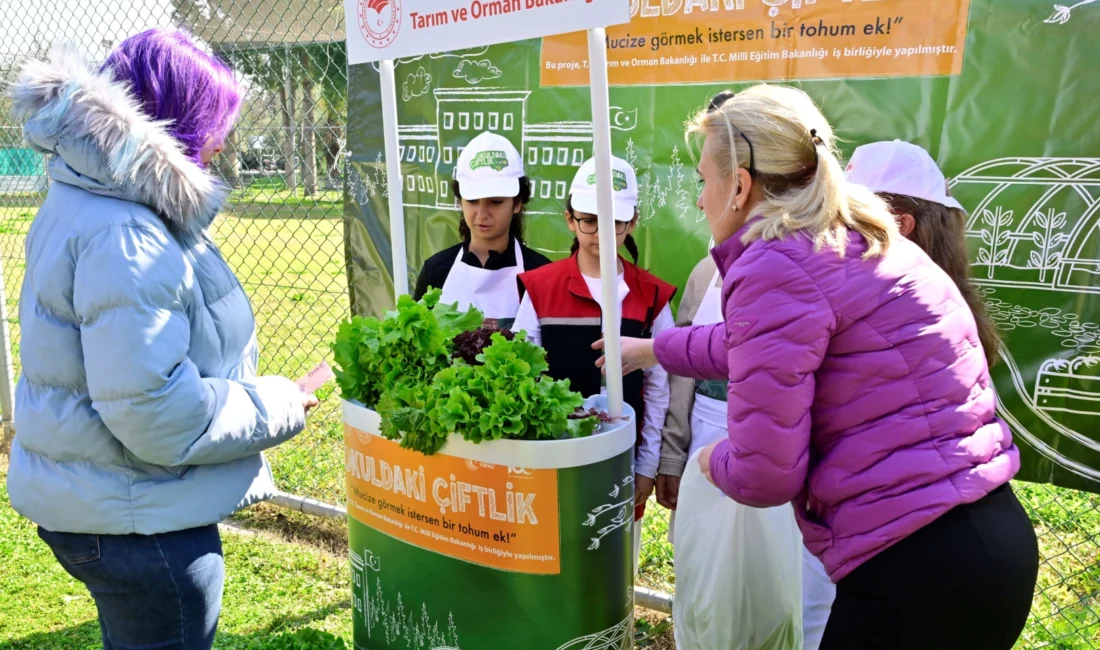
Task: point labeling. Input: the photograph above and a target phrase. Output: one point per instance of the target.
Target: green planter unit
(500, 545)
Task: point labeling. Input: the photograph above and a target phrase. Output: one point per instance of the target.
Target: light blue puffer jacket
(139, 409)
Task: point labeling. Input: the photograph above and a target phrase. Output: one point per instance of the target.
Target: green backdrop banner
(1001, 92)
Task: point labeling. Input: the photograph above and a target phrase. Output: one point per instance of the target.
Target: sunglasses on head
(715, 104)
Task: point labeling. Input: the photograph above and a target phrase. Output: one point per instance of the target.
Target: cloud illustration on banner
(417, 84)
(457, 54)
(461, 54)
(474, 72)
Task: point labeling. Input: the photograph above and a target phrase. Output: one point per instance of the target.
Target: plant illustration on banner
(1048, 242)
(368, 184)
(623, 509)
(995, 238)
(390, 618)
(651, 195)
(678, 182)
(1062, 13)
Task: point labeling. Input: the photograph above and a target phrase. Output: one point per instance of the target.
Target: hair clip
(817, 142)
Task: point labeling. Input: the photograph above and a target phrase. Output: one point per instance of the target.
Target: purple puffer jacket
(858, 390)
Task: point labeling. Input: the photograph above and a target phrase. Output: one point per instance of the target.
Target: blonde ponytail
(780, 135)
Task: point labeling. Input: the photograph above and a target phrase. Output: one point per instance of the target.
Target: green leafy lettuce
(403, 366)
(406, 347)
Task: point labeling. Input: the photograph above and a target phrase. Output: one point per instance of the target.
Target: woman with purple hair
(140, 416)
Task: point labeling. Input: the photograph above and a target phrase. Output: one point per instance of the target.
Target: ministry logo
(379, 21)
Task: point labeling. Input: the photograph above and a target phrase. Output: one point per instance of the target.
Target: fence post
(7, 374)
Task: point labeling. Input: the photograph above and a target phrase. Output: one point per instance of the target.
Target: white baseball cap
(898, 167)
(489, 167)
(624, 183)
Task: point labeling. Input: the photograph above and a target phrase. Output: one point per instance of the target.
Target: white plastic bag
(738, 572)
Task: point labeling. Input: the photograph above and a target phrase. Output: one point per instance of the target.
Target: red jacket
(571, 321)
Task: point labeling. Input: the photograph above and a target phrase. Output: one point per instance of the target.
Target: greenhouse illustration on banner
(1034, 236)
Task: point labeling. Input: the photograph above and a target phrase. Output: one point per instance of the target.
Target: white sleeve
(528, 321)
(656, 396)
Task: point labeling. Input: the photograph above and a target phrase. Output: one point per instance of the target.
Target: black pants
(963, 582)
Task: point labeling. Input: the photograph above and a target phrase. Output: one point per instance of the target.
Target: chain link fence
(282, 231)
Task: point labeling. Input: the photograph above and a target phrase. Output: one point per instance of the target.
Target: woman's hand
(704, 461)
(643, 487)
(668, 490)
(309, 402)
(637, 354)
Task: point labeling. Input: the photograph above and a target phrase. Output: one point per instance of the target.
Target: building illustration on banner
(552, 152)
(1027, 260)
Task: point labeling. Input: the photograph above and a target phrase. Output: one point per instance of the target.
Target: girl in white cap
(907, 178)
(561, 311)
(481, 270)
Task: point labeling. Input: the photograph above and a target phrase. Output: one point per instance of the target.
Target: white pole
(393, 177)
(609, 252)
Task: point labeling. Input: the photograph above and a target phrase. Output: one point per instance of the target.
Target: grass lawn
(289, 253)
(289, 577)
(272, 587)
(1065, 612)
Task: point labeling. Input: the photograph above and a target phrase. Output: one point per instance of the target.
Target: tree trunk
(309, 127)
(290, 149)
(333, 147)
(231, 165)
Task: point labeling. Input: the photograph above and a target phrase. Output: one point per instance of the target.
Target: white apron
(709, 425)
(708, 414)
(494, 293)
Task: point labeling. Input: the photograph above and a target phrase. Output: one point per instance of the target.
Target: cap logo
(618, 180)
(496, 160)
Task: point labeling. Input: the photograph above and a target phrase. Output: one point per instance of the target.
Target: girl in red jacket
(561, 312)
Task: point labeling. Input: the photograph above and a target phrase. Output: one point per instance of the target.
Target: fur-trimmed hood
(99, 131)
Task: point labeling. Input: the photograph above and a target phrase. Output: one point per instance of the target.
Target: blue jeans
(153, 592)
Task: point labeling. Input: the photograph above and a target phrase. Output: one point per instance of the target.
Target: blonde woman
(697, 418)
(858, 389)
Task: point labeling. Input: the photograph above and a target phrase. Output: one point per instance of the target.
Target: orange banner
(491, 515)
(716, 41)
